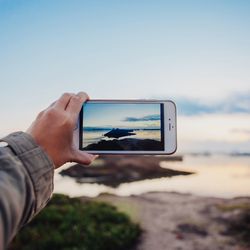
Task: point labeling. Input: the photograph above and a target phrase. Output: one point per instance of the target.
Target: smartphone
(128, 127)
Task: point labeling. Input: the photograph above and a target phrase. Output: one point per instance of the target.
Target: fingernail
(84, 96)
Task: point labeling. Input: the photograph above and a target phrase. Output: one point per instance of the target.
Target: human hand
(53, 130)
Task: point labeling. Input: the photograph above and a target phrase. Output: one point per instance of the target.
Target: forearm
(26, 183)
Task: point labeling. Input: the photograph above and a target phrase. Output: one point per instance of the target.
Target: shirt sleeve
(26, 183)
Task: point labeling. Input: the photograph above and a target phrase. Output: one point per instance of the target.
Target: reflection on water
(90, 137)
(217, 176)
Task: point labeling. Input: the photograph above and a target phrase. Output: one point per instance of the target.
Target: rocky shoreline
(127, 144)
(114, 170)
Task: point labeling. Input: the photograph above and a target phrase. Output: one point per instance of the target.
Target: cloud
(236, 103)
(144, 118)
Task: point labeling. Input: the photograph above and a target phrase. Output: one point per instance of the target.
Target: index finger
(75, 104)
(63, 101)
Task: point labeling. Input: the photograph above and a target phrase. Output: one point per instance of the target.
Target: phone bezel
(170, 128)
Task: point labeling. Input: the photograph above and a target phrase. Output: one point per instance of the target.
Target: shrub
(68, 223)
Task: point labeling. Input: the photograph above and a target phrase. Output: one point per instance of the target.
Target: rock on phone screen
(122, 127)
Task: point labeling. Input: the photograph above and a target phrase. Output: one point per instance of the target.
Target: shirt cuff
(39, 166)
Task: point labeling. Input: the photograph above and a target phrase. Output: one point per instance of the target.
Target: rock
(126, 144)
(192, 229)
(115, 170)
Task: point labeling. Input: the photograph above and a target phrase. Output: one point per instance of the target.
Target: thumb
(83, 157)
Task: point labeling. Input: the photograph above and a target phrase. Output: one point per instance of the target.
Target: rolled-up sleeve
(26, 183)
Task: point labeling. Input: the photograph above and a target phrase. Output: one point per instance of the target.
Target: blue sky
(194, 52)
(121, 115)
(127, 48)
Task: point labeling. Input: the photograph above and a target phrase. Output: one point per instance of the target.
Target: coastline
(229, 177)
(177, 221)
(116, 170)
(126, 144)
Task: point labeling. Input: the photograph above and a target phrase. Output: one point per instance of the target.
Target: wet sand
(182, 221)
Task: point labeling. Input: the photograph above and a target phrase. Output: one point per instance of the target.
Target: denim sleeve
(26, 183)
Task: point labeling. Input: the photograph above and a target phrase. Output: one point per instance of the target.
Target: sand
(173, 221)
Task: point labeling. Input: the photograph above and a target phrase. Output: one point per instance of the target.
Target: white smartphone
(128, 127)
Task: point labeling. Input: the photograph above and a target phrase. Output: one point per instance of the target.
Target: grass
(67, 223)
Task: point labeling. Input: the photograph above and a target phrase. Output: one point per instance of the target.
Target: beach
(174, 221)
(129, 76)
(191, 203)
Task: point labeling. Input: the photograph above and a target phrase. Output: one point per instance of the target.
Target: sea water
(216, 176)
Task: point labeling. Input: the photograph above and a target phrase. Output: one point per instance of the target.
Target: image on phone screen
(122, 127)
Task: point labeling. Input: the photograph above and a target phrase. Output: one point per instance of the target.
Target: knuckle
(75, 98)
(66, 95)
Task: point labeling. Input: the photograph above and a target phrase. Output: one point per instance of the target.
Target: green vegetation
(68, 223)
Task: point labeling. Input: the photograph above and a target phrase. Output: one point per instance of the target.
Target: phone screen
(122, 127)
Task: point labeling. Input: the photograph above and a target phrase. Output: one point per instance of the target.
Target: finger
(75, 104)
(63, 101)
(52, 104)
(83, 157)
(83, 95)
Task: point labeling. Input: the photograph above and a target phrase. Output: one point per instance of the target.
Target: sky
(121, 115)
(196, 53)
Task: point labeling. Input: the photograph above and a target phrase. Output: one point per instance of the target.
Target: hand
(53, 130)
